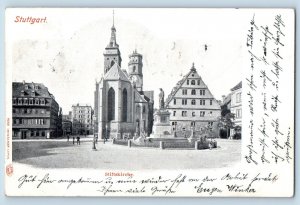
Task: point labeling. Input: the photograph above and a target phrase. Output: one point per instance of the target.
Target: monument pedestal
(162, 127)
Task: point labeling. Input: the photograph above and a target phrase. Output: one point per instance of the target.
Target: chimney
(223, 97)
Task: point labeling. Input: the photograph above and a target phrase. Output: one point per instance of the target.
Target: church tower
(112, 54)
(135, 68)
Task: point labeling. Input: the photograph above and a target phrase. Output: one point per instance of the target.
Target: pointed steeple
(113, 39)
(112, 54)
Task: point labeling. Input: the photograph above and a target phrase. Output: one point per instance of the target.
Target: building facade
(82, 123)
(122, 107)
(236, 106)
(192, 106)
(67, 124)
(35, 112)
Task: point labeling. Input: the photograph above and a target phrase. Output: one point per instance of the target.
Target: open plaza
(61, 153)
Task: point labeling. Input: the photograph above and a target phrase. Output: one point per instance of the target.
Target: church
(122, 108)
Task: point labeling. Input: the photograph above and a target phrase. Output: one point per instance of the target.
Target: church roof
(148, 95)
(139, 98)
(115, 73)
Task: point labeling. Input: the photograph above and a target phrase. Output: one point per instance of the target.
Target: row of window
(201, 113)
(193, 82)
(37, 133)
(28, 111)
(193, 92)
(83, 111)
(82, 116)
(29, 121)
(193, 102)
(30, 101)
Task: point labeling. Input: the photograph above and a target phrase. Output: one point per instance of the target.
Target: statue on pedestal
(161, 99)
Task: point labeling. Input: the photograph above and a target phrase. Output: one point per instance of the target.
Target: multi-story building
(192, 106)
(232, 104)
(35, 112)
(236, 106)
(82, 119)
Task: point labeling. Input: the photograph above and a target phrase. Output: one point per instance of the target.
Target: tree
(227, 122)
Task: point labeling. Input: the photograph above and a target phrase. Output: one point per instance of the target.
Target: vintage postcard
(162, 102)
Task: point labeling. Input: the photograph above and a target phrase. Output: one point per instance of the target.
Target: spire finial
(113, 17)
(193, 67)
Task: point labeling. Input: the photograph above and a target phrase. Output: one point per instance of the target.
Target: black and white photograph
(149, 102)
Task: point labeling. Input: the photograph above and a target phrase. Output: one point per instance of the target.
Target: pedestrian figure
(78, 140)
(73, 140)
(68, 137)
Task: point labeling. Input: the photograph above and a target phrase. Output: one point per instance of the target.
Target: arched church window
(111, 105)
(193, 82)
(124, 105)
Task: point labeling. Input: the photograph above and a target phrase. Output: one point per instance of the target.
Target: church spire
(112, 54)
(113, 40)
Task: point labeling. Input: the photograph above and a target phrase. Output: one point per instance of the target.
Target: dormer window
(36, 87)
(22, 93)
(26, 87)
(32, 93)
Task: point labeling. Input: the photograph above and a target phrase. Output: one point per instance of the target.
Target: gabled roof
(115, 73)
(238, 86)
(192, 74)
(227, 100)
(177, 87)
(139, 98)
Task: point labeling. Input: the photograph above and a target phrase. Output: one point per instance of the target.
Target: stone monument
(162, 127)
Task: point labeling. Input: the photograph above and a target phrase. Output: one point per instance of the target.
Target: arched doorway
(111, 105)
(124, 105)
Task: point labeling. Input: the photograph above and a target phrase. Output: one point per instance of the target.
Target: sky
(66, 53)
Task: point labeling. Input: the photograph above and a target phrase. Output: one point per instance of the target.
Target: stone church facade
(122, 108)
(192, 106)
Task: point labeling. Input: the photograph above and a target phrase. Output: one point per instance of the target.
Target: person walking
(73, 139)
(78, 140)
(68, 137)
